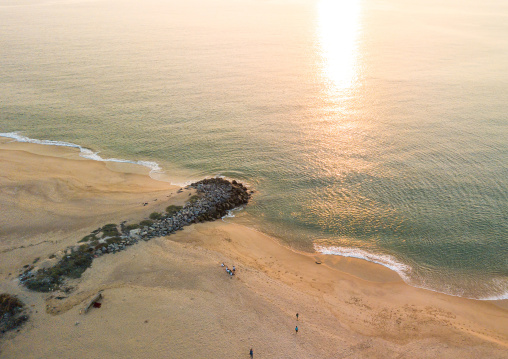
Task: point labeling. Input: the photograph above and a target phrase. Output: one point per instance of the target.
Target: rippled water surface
(375, 129)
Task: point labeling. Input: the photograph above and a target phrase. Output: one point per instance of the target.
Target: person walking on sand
(251, 353)
(296, 316)
(296, 329)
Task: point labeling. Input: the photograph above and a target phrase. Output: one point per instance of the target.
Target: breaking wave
(385, 260)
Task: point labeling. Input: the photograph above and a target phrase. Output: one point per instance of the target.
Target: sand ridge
(170, 297)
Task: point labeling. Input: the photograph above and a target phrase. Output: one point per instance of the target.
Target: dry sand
(170, 298)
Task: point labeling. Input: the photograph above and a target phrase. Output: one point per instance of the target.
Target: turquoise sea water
(375, 129)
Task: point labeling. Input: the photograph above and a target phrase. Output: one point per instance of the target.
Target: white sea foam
(230, 214)
(502, 285)
(385, 260)
(84, 152)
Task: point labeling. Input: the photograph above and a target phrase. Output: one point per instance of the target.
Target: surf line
(84, 152)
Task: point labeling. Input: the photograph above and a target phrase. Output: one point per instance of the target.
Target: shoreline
(69, 150)
(73, 151)
(63, 149)
(67, 196)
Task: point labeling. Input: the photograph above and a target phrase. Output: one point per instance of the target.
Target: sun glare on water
(338, 29)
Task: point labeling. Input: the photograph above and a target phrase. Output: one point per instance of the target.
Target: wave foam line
(84, 152)
(385, 260)
(403, 270)
(230, 214)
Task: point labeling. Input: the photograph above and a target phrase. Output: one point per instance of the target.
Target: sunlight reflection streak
(338, 31)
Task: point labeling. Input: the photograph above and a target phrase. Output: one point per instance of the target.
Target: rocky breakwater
(214, 198)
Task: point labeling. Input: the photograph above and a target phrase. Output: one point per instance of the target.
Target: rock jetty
(214, 198)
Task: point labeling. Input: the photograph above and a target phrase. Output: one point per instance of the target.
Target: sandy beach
(170, 297)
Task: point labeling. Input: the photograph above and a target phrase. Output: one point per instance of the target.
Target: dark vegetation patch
(155, 216)
(170, 210)
(11, 313)
(50, 279)
(110, 230)
(146, 223)
(130, 227)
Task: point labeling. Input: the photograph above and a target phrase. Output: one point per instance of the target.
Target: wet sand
(170, 297)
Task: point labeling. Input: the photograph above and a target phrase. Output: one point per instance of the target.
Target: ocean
(376, 129)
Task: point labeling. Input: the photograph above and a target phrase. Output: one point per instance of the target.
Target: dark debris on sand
(12, 313)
